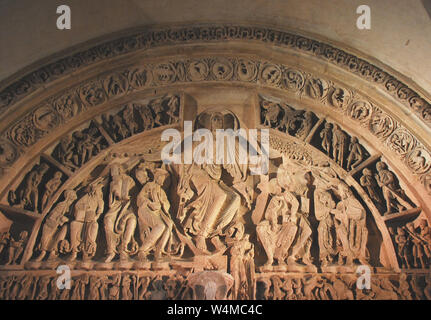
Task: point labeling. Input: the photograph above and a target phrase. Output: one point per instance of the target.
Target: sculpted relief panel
(212, 230)
(97, 197)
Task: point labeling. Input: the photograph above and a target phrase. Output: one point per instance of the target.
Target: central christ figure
(210, 194)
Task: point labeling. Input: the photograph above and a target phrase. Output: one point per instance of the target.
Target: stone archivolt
(99, 197)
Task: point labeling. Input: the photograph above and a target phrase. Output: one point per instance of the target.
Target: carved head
(58, 175)
(423, 223)
(354, 140)
(328, 125)
(381, 166)
(216, 121)
(367, 172)
(70, 195)
(160, 176)
(23, 235)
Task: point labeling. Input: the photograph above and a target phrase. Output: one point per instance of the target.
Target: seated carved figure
(119, 223)
(154, 219)
(54, 230)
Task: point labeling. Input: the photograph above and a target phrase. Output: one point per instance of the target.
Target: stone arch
(83, 95)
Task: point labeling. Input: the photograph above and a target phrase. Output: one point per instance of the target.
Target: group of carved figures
(120, 286)
(346, 151)
(342, 287)
(286, 232)
(132, 286)
(384, 185)
(137, 117)
(11, 248)
(73, 151)
(28, 196)
(413, 245)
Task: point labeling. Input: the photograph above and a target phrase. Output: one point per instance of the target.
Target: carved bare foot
(218, 244)
(52, 256)
(142, 256)
(72, 257)
(110, 257)
(41, 256)
(201, 244)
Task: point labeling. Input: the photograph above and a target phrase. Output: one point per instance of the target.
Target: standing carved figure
(370, 184)
(339, 140)
(120, 223)
(29, 196)
(129, 119)
(16, 248)
(51, 187)
(356, 155)
(323, 206)
(242, 267)
(350, 226)
(403, 247)
(306, 125)
(54, 230)
(392, 193)
(326, 135)
(84, 227)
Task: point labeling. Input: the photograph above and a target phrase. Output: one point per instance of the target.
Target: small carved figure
(355, 156)
(43, 288)
(173, 109)
(29, 195)
(306, 125)
(54, 230)
(79, 287)
(16, 247)
(129, 119)
(370, 184)
(403, 247)
(242, 267)
(4, 240)
(65, 152)
(51, 187)
(324, 204)
(339, 140)
(419, 246)
(270, 113)
(84, 227)
(326, 135)
(392, 193)
(404, 287)
(147, 117)
(126, 293)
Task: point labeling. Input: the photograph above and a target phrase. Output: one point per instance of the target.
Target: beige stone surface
(399, 36)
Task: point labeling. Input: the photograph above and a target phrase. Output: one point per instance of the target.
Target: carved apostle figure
(54, 230)
(154, 218)
(323, 206)
(119, 223)
(339, 140)
(350, 226)
(84, 227)
(242, 267)
(392, 193)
